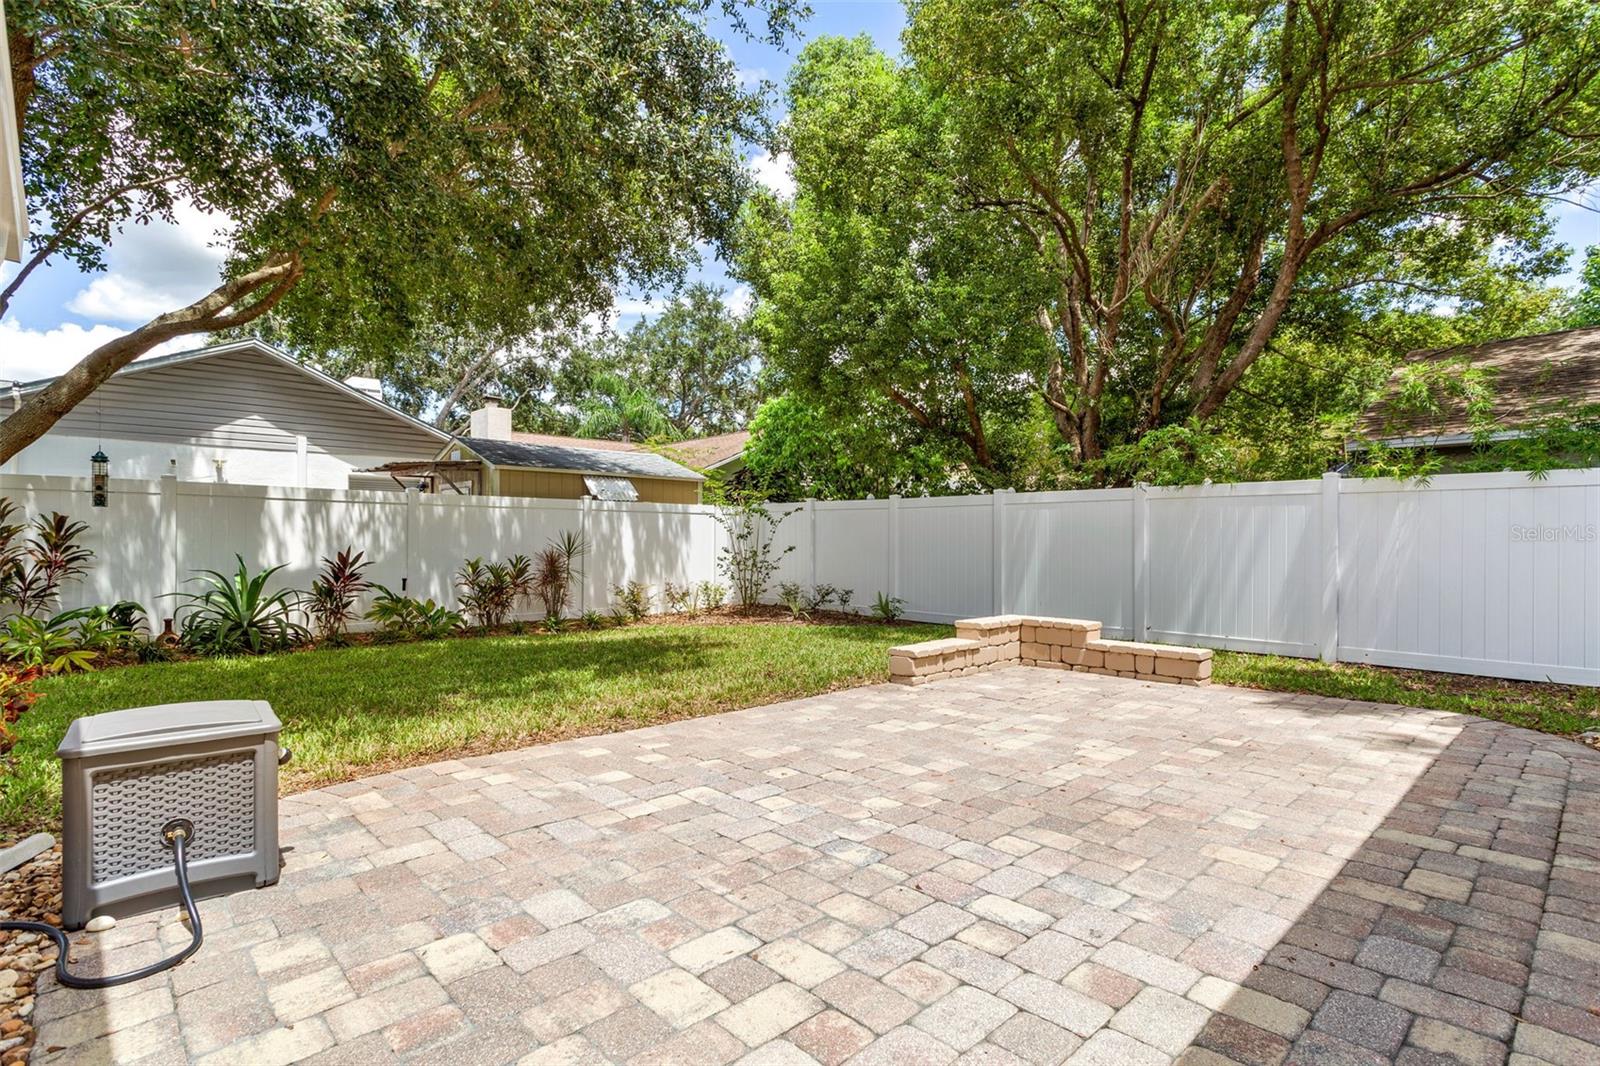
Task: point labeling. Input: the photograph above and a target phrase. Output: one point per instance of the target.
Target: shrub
(332, 603)
(889, 608)
(747, 560)
(793, 597)
(49, 646)
(34, 566)
(401, 617)
(678, 599)
(845, 596)
(236, 615)
(630, 602)
(820, 597)
(712, 595)
(556, 567)
(487, 592)
(17, 694)
(593, 620)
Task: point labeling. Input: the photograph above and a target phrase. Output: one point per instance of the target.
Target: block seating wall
(1052, 643)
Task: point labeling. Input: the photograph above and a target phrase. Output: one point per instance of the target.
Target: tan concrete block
(1169, 667)
(1120, 661)
(1093, 660)
(1145, 664)
(1034, 650)
(901, 666)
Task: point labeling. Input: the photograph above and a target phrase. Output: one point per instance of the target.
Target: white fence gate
(1492, 574)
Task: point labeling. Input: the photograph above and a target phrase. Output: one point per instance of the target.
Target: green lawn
(1563, 709)
(357, 710)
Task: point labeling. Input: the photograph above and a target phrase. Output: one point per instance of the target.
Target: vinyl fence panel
(1069, 555)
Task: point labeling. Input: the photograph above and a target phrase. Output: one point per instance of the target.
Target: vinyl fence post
(1328, 631)
(811, 536)
(894, 546)
(583, 535)
(170, 547)
(409, 559)
(997, 550)
(1141, 561)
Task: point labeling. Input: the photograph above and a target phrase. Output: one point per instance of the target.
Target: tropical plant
(47, 645)
(889, 608)
(17, 693)
(712, 595)
(631, 602)
(522, 579)
(37, 558)
(593, 620)
(556, 568)
(552, 624)
(401, 617)
(819, 597)
(487, 592)
(747, 560)
(108, 629)
(332, 602)
(234, 614)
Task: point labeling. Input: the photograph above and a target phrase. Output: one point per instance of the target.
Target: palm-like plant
(33, 569)
(332, 603)
(486, 591)
(235, 614)
(555, 569)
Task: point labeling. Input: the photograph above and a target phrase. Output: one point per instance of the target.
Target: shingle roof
(707, 452)
(581, 460)
(1531, 377)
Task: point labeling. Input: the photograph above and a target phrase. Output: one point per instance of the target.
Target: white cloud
(776, 172)
(751, 77)
(32, 353)
(156, 267)
(738, 299)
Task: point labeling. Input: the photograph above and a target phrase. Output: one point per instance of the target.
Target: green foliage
(1047, 232)
(793, 596)
(17, 694)
(38, 557)
(487, 591)
(631, 602)
(888, 608)
(747, 560)
(698, 362)
(234, 614)
(48, 645)
(402, 617)
(444, 166)
(556, 568)
(593, 620)
(1585, 307)
(332, 602)
(712, 595)
(678, 599)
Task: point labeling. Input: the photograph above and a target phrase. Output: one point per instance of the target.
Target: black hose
(180, 865)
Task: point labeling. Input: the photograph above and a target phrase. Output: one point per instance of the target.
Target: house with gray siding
(242, 413)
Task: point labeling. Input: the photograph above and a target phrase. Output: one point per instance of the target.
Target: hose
(174, 834)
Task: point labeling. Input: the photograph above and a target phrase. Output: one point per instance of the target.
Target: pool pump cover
(126, 774)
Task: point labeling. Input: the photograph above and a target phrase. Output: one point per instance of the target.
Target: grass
(1562, 709)
(357, 710)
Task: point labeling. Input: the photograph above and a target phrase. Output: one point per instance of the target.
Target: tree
(1177, 187)
(443, 164)
(699, 360)
(874, 285)
(1585, 310)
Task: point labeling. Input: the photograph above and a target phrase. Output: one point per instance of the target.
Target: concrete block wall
(1052, 643)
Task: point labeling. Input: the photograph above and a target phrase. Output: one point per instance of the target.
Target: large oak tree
(386, 166)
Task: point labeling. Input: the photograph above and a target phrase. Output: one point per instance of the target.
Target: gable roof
(597, 443)
(1531, 377)
(255, 347)
(560, 457)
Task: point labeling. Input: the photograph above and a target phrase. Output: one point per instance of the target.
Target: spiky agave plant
(234, 614)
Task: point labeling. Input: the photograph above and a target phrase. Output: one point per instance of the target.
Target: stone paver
(1026, 866)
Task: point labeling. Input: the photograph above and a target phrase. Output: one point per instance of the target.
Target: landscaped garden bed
(357, 710)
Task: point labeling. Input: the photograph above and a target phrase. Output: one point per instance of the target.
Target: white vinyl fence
(1491, 574)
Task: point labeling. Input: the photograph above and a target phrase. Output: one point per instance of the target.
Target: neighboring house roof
(1531, 378)
(565, 458)
(577, 442)
(709, 453)
(261, 348)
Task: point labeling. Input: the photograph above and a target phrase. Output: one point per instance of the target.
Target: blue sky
(60, 313)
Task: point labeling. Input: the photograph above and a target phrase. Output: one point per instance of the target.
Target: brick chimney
(491, 421)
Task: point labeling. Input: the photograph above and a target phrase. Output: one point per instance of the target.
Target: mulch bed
(31, 892)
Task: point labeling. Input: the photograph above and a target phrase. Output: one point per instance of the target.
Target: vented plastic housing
(126, 774)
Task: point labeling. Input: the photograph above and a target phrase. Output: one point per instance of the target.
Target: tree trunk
(46, 407)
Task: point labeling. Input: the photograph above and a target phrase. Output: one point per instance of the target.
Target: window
(612, 489)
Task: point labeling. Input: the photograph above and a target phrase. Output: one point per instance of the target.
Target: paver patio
(1023, 866)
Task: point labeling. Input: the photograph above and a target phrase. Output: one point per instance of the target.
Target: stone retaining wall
(1052, 643)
